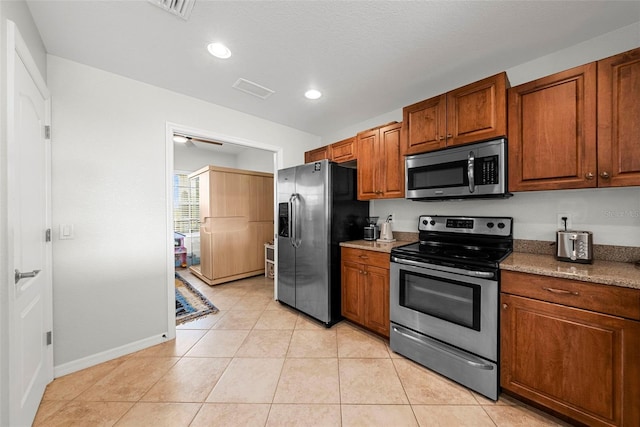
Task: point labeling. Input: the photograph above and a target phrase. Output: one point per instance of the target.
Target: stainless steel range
(444, 297)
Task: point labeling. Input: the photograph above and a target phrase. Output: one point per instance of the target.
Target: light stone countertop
(373, 245)
(621, 274)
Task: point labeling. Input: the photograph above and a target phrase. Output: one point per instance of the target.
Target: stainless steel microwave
(469, 171)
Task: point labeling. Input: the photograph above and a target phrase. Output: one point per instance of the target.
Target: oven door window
(451, 174)
(453, 301)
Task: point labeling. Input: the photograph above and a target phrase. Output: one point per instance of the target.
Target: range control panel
(493, 226)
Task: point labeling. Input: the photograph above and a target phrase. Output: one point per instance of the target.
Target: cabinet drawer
(617, 301)
(363, 256)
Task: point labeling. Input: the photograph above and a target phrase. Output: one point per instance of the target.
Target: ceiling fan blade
(208, 141)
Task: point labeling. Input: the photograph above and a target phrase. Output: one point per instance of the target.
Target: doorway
(232, 144)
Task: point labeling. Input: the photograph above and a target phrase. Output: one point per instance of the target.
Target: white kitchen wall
(612, 214)
(109, 163)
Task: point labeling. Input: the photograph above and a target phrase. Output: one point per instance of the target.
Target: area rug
(190, 303)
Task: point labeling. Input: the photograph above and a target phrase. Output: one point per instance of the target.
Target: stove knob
(501, 225)
(490, 224)
(432, 222)
(425, 222)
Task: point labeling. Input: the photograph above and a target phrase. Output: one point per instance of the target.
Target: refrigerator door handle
(291, 220)
(295, 203)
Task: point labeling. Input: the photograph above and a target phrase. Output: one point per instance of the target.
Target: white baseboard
(105, 356)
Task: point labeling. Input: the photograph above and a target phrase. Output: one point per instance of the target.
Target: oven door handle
(450, 351)
(473, 273)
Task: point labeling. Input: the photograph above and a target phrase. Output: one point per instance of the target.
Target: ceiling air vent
(181, 8)
(253, 88)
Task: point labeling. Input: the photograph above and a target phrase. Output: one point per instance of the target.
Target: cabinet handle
(505, 306)
(441, 138)
(588, 176)
(449, 135)
(604, 175)
(363, 256)
(560, 291)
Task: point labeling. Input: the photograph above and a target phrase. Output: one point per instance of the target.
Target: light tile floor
(258, 363)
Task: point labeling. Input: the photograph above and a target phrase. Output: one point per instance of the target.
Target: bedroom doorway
(230, 152)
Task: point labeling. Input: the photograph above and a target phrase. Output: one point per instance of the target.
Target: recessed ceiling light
(312, 94)
(219, 50)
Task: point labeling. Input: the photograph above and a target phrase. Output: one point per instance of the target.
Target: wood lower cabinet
(558, 352)
(236, 219)
(468, 114)
(578, 128)
(365, 289)
(380, 163)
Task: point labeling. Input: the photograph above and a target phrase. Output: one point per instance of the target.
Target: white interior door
(30, 299)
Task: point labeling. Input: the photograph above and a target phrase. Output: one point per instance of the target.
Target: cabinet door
(317, 154)
(391, 162)
(576, 362)
(376, 290)
(552, 131)
(260, 198)
(344, 151)
(477, 111)
(352, 291)
(425, 125)
(619, 120)
(368, 164)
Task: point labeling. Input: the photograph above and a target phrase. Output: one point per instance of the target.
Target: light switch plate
(66, 231)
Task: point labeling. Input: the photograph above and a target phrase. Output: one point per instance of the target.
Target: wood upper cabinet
(552, 132)
(339, 152)
(619, 120)
(317, 154)
(365, 289)
(578, 128)
(380, 163)
(468, 114)
(578, 362)
(344, 151)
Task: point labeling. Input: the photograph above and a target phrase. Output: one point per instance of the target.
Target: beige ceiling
(368, 57)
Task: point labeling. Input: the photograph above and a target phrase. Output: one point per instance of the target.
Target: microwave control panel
(486, 170)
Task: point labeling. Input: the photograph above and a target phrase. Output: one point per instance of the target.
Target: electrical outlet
(560, 220)
(390, 217)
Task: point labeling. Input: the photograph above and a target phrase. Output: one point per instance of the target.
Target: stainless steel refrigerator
(317, 209)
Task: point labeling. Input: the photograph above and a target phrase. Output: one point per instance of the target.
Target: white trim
(172, 128)
(107, 355)
(22, 50)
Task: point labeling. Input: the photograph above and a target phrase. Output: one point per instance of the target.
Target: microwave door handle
(470, 167)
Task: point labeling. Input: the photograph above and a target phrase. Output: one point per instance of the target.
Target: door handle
(470, 167)
(19, 276)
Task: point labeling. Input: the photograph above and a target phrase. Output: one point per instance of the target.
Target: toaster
(574, 246)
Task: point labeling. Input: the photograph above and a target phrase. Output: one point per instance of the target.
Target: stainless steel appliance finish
(317, 209)
(574, 246)
(476, 170)
(444, 296)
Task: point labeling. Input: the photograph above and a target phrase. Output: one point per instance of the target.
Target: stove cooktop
(458, 240)
(452, 253)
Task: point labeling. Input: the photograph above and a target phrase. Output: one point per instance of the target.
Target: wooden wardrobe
(236, 220)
